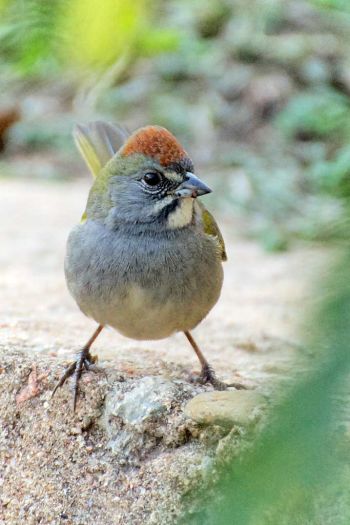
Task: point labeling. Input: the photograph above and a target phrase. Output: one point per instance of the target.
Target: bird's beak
(192, 186)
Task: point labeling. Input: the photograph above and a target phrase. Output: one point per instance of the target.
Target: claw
(208, 376)
(85, 361)
(69, 372)
(238, 386)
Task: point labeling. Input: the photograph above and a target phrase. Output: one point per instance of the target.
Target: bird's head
(149, 180)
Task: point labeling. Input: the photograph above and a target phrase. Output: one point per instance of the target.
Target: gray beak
(192, 186)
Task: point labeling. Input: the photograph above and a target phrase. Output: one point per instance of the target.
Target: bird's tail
(97, 142)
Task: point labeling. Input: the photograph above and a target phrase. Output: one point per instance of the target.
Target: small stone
(228, 408)
(81, 441)
(144, 417)
(151, 397)
(75, 431)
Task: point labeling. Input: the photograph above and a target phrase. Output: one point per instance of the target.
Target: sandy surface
(253, 330)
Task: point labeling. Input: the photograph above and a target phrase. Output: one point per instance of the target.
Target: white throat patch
(182, 215)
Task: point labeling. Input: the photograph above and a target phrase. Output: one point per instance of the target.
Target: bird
(146, 258)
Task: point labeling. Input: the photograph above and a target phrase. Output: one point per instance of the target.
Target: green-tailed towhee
(146, 258)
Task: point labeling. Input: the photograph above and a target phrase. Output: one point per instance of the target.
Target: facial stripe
(163, 203)
(174, 177)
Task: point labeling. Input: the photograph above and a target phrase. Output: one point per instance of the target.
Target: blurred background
(258, 91)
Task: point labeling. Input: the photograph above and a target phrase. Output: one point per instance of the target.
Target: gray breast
(147, 285)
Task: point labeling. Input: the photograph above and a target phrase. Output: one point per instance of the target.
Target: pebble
(151, 397)
(228, 408)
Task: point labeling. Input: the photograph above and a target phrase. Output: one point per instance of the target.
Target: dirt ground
(253, 331)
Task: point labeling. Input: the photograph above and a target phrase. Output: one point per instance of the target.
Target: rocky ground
(135, 447)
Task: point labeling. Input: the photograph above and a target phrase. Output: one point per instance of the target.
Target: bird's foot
(85, 361)
(208, 376)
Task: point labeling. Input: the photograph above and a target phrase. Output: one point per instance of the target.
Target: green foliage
(316, 115)
(322, 116)
(341, 5)
(26, 34)
(297, 471)
(97, 37)
(39, 37)
(158, 41)
(333, 176)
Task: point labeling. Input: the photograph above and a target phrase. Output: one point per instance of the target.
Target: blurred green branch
(298, 472)
(78, 33)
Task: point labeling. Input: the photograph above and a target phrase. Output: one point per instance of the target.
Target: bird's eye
(152, 178)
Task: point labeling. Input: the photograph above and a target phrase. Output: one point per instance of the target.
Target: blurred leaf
(27, 33)
(159, 41)
(274, 240)
(3, 5)
(299, 462)
(97, 35)
(342, 5)
(316, 114)
(334, 176)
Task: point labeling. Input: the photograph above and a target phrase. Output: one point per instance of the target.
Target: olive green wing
(211, 228)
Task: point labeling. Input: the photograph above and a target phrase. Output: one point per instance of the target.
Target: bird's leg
(85, 359)
(208, 375)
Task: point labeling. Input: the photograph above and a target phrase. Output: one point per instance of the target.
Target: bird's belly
(140, 313)
(144, 292)
(139, 316)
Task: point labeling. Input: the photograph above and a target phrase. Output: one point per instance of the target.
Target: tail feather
(97, 142)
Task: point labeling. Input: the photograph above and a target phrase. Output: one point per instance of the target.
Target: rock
(151, 397)
(127, 455)
(228, 408)
(145, 414)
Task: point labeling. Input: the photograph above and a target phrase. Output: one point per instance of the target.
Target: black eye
(152, 178)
